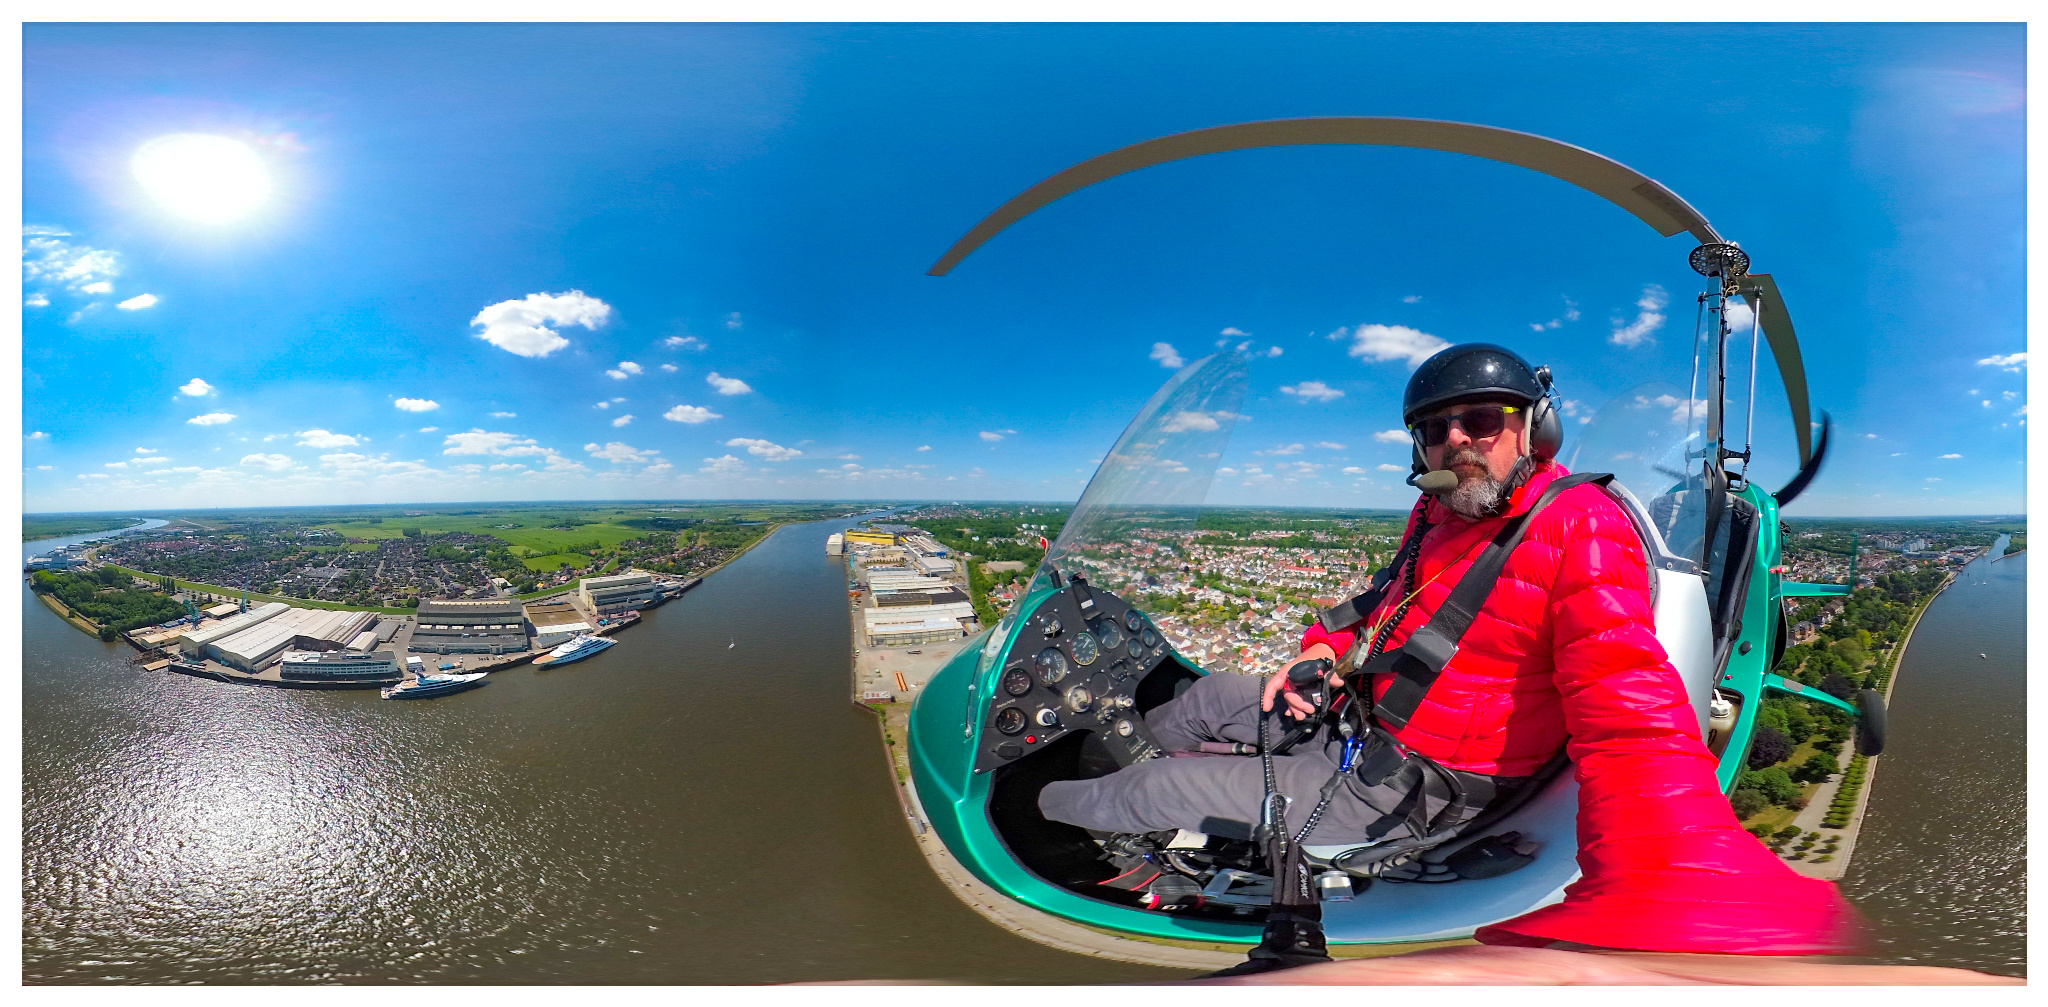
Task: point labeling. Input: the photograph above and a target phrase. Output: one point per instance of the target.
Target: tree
(1774, 783)
(1747, 802)
(1768, 747)
(1838, 685)
(1818, 767)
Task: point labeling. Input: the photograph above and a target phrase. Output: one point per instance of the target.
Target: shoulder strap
(1417, 662)
(1355, 610)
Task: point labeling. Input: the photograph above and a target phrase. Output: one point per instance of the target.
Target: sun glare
(210, 179)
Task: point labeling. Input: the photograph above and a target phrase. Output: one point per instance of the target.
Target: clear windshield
(1150, 487)
(1650, 437)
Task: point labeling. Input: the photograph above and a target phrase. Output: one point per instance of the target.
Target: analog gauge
(1109, 634)
(1124, 728)
(1052, 665)
(1079, 698)
(1098, 683)
(1010, 720)
(1086, 650)
(1151, 638)
(1016, 681)
(1049, 624)
(1133, 621)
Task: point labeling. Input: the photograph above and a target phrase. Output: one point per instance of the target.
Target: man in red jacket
(1562, 655)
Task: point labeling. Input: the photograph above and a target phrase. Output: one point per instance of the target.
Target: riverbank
(1816, 811)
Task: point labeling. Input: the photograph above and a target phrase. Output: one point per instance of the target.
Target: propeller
(1810, 468)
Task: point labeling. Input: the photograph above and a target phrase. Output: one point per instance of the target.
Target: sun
(202, 177)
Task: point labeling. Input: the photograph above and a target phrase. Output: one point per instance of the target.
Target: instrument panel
(1075, 665)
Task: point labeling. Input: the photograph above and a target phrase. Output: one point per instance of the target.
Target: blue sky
(584, 262)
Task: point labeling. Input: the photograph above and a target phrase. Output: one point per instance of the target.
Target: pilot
(1561, 656)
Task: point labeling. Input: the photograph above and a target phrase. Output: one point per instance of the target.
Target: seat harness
(1294, 933)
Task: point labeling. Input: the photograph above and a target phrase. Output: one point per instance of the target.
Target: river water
(677, 810)
(671, 811)
(1940, 867)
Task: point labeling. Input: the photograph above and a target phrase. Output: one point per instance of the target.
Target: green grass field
(40, 526)
(555, 561)
(532, 531)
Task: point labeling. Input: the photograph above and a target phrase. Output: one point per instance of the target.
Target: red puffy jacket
(1564, 653)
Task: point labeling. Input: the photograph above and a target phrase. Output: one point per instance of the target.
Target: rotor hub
(1719, 258)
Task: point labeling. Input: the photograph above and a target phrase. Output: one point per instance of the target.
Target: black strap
(1356, 610)
(1417, 662)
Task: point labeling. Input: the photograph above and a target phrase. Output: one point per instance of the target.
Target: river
(677, 810)
(672, 811)
(1940, 867)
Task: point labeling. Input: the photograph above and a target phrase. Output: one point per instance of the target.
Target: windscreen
(1650, 437)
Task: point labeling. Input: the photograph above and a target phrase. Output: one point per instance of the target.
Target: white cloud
(138, 302)
(1232, 330)
(727, 386)
(2010, 362)
(1353, 470)
(521, 326)
(428, 430)
(1412, 299)
(1186, 420)
(764, 449)
(602, 405)
(1649, 318)
(1384, 467)
(47, 258)
(927, 447)
(501, 415)
(317, 438)
(1392, 437)
(506, 466)
(993, 436)
(1167, 356)
(623, 420)
(723, 465)
(1391, 342)
(210, 419)
(625, 369)
(121, 465)
(1274, 351)
(41, 436)
(417, 405)
(145, 451)
(670, 368)
(1951, 456)
(683, 342)
(732, 321)
(1870, 437)
(615, 452)
(196, 388)
(94, 475)
(274, 463)
(1312, 391)
(482, 442)
(36, 300)
(1284, 449)
(690, 414)
(1571, 314)
(1329, 445)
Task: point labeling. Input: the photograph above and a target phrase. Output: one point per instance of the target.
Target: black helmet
(1468, 372)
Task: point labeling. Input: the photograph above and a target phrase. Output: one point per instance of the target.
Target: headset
(1545, 435)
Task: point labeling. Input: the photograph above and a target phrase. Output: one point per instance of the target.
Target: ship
(433, 686)
(575, 650)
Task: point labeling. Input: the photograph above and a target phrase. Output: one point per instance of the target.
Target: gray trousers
(1221, 795)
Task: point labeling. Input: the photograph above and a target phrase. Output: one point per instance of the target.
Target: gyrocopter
(1058, 689)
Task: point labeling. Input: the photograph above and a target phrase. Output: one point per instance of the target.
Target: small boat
(431, 686)
(1982, 657)
(575, 650)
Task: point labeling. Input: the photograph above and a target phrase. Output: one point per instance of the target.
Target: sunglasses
(1478, 422)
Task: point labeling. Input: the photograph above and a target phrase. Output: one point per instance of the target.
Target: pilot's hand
(1279, 686)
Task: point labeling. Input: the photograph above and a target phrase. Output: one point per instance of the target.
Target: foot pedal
(1171, 891)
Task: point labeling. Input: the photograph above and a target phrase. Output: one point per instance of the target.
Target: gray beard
(1476, 498)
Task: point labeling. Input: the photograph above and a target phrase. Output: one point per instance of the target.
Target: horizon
(302, 265)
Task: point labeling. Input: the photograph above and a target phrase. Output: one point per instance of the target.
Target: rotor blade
(1808, 470)
(1656, 205)
(1777, 324)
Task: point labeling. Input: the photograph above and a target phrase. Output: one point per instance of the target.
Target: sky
(351, 264)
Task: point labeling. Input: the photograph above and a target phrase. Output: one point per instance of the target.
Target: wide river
(685, 810)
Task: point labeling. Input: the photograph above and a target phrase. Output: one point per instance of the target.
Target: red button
(1031, 739)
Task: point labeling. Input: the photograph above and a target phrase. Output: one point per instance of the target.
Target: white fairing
(1419, 912)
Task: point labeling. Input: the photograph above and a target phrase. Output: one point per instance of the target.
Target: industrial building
(305, 629)
(835, 544)
(915, 624)
(194, 643)
(469, 627)
(339, 667)
(617, 593)
(555, 622)
(873, 538)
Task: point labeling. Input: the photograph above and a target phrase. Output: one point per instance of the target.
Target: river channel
(701, 804)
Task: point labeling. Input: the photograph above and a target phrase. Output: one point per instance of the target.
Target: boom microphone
(1439, 481)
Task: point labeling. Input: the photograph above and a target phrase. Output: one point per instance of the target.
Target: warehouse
(300, 628)
(339, 667)
(195, 642)
(915, 624)
(617, 593)
(469, 627)
(555, 622)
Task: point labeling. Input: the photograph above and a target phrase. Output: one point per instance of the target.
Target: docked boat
(575, 650)
(433, 686)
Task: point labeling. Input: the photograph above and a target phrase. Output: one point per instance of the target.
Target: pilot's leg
(1220, 707)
